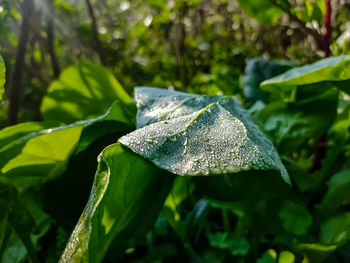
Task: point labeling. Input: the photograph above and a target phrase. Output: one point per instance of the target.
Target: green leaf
(331, 69)
(31, 157)
(336, 230)
(13, 133)
(218, 139)
(2, 77)
(291, 125)
(296, 219)
(269, 256)
(238, 246)
(82, 91)
(34, 161)
(262, 10)
(338, 193)
(316, 252)
(7, 200)
(258, 70)
(127, 195)
(286, 257)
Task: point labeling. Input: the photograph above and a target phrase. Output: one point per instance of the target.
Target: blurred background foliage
(199, 46)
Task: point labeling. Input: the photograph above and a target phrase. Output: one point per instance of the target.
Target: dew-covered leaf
(154, 105)
(2, 76)
(332, 69)
(220, 138)
(81, 92)
(127, 196)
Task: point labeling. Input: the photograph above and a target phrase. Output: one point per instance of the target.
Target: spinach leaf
(82, 91)
(291, 124)
(220, 138)
(31, 157)
(258, 70)
(127, 196)
(332, 69)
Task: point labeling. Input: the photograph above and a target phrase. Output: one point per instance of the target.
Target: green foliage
(126, 197)
(334, 70)
(82, 92)
(263, 10)
(198, 180)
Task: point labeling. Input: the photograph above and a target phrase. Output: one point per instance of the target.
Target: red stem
(328, 29)
(321, 144)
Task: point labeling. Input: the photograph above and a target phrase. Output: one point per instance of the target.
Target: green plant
(192, 162)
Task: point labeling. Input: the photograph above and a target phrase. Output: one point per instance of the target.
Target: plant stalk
(15, 91)
(321, 144)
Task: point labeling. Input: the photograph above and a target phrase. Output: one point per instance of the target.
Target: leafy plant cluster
(182, 172)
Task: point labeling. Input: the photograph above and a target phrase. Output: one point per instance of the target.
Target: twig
(50, 38)
(314, 33)
(28, 7)
(321, 145)
(98, 45)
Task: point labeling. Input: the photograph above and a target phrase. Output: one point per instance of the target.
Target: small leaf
(333, 69)
(286, 257)
(127, 196)
(218, 139)
(81, 92)
(269, 256)
(296, 219)
(236, 245)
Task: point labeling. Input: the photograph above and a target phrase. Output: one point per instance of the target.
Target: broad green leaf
(31, 157)
(290, 125)
(296, 219)
(36, 160)
(336, 230)
(262, 10)
(2, 77)
(338, 193)
(333, 69)
(218, 139)
(82, 91)
(11, 134)
(256, 71)
(126, 197)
